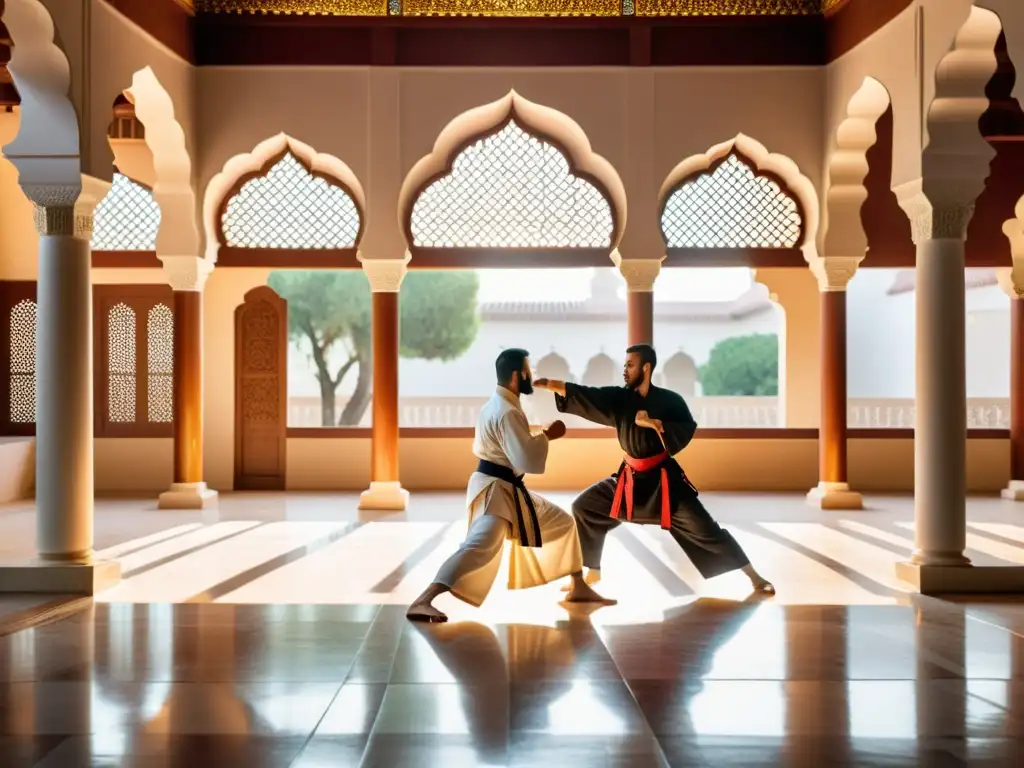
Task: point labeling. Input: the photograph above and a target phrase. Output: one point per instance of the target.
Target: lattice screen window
(289, 207)
(23, 362)
(121, 351)
(731, 208)
(511, 190)
(160, 354)
(126, 219)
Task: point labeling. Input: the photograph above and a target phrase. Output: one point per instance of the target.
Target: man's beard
(525, 386)
(635, 382)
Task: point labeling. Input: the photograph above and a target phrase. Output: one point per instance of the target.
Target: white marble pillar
(940, 429)
(64, 384)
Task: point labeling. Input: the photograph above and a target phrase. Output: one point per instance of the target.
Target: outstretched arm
(596, 404)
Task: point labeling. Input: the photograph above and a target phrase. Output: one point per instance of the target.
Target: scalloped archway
(546, 131)
(264, 158)
(765, 167)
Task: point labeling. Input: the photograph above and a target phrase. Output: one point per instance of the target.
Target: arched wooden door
(261, 391)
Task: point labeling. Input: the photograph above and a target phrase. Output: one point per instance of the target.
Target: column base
(188, 496)
(834, 496)
(48, 578)
(1014, 491)
(388, 497)
(961, 579)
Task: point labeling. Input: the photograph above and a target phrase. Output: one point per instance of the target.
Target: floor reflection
(713, 682)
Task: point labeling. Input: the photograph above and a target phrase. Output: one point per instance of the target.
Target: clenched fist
(555, 430)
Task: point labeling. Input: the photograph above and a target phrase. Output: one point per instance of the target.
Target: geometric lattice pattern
(23, 362)
(289, 207)
(731, 208)
(160, 363)
(511, 190)
(121, 365)
(126, 219)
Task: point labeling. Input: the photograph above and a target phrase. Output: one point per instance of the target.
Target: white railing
(710, 412)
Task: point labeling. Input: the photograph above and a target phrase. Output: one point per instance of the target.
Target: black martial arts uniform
(650, 487)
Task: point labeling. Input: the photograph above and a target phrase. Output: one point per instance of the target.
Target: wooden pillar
(385, 491)
(833, 491)
(640, 317)
(1015, 489)
(640, 276)
(187, 276)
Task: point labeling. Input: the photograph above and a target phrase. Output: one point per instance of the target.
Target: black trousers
(711, 548)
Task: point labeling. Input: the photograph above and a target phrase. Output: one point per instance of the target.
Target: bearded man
(545, 544)
(653, 424)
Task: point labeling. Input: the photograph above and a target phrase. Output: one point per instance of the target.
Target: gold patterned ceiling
(520, 8)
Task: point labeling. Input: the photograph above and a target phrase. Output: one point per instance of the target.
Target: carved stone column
(833, 490)
(64, 397)
(385, 491)
(940, 430)
(640, 276)
(1012, 282)
(187, 276)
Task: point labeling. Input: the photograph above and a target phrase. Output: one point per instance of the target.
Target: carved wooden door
(261, 391)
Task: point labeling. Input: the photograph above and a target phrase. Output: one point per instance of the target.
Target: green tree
(743, 366)
(330, 310)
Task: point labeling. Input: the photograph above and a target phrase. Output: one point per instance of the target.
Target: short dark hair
(646, 354)
(509, 362)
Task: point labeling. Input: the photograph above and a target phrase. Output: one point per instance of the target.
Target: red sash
(624, 487)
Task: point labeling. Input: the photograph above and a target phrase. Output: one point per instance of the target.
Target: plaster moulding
(780, 165)
(640, 274)
(239, 165)
(533, 118)
(186, 273)
(385, 275)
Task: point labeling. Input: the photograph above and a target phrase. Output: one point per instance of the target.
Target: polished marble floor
(271, 633)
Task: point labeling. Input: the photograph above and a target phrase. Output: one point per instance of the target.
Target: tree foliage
(743, 366)
(330, 311)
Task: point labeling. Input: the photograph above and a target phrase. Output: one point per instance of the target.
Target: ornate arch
(178, 234)
(847, 169)
(505, 125)
(786, 239)
(955, 161)
(553, 366)
(46, 150)
(296, 166)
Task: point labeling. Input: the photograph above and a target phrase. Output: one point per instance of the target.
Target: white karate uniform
(503, 437)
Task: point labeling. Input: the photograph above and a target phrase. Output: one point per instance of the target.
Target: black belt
(504, 473)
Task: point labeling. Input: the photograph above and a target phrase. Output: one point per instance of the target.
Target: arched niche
(601, 371)
(552, 366)
(738, 205)
(681, 374)
(512, 184)
(126, 224)
(284, 205)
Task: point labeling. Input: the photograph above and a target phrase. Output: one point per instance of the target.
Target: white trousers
(470, 572)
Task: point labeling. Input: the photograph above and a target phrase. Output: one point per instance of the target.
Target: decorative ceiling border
(518, 8)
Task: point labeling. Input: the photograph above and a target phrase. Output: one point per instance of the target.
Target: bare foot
(764, 587)
(584, 593)
(592, 577)
(425, 613)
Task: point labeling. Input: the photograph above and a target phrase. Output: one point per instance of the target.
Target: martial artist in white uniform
(545, 545)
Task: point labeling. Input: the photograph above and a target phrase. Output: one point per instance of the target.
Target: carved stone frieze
(385, 275)
(186, 273)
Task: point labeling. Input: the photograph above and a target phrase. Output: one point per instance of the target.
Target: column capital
(934, 217)
(385, 275)
(186, 273)
(834, 273)
(640, 274)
